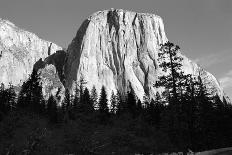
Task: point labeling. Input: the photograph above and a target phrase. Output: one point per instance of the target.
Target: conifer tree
(145, 102)
(94, 97)
(67, 100)
(76, 98)
(11, 97)
(31, 95)
(36, 96)
(120, 102)
(113, 105)
(3, 99)
(139, 108)
(131, 102)
(171, 63)
(24, 97)
(81, 85)
(205, 127)
(52, 110)
(66, 106)
(87, 103)
(103, 107)
(157, 111)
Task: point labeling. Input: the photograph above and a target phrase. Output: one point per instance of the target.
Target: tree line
(184, 114)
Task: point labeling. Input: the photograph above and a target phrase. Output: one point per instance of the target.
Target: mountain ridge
(20, 50)
(124, 44)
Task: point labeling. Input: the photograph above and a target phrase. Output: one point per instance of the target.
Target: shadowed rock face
(117, 47)
(52, 75)
(20, 50)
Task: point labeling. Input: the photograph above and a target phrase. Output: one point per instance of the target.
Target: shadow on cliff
(57, 59)
(74, 54)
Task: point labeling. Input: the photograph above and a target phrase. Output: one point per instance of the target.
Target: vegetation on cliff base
(184, 117)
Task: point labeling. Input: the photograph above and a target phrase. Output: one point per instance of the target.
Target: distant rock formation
(52, 75)
(20, 50)
(115, 48)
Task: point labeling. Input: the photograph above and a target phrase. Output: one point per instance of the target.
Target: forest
(183, 117)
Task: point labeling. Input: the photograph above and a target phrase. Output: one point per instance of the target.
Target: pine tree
(87, 103)
(120, 102)
(157, 111)
(103, 107)
(52, 110)
(67, 100)
(24, 97)
(145, 102)
(36, 100)
(76, 98)
(81, 85)
(139, 108)
(3, 100)
(131, 102)
(113, 105)
(66, 106)
(171, 63)
(94, 97)
(11, 97)
(31, 95)
(205, 118)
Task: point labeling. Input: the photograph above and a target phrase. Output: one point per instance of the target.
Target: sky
(202, 28)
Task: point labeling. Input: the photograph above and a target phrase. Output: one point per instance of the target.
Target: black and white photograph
(115, 77)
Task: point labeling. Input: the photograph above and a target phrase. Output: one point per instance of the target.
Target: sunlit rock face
(112, 48)
(51, 74)
(115, 48)
(19, 51)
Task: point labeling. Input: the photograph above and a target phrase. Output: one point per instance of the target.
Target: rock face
(112, 48)
(116, 48)
(20, 50)
(51, 74)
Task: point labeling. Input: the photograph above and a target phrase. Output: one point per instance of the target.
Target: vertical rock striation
(116, 48)
(112, 48)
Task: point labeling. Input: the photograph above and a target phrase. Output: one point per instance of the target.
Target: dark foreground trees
(30, 95)
(184, 117)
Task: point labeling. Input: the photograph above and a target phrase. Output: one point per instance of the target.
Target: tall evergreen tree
(113, 105)
(131, 102)
(24, 97)
(94, 97)
(81, 85)
(120, 102)
(31, 95)
(11, 97)
(66, 106)
(52, 110)
(76, 98)
(171, 63)
(7, 98)
(67, 100)
(139, 108)
(103, 107)
(2, 105)
(87, 103)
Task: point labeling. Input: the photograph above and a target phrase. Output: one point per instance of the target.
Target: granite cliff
(116, 48)
(112, 48)
(20, 50)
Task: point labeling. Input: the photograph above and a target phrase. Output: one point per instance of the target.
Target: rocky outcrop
(20, 50)
(116, 48)
(52, 76)
(112, 48)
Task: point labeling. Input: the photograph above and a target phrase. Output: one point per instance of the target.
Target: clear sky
(202, 28)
